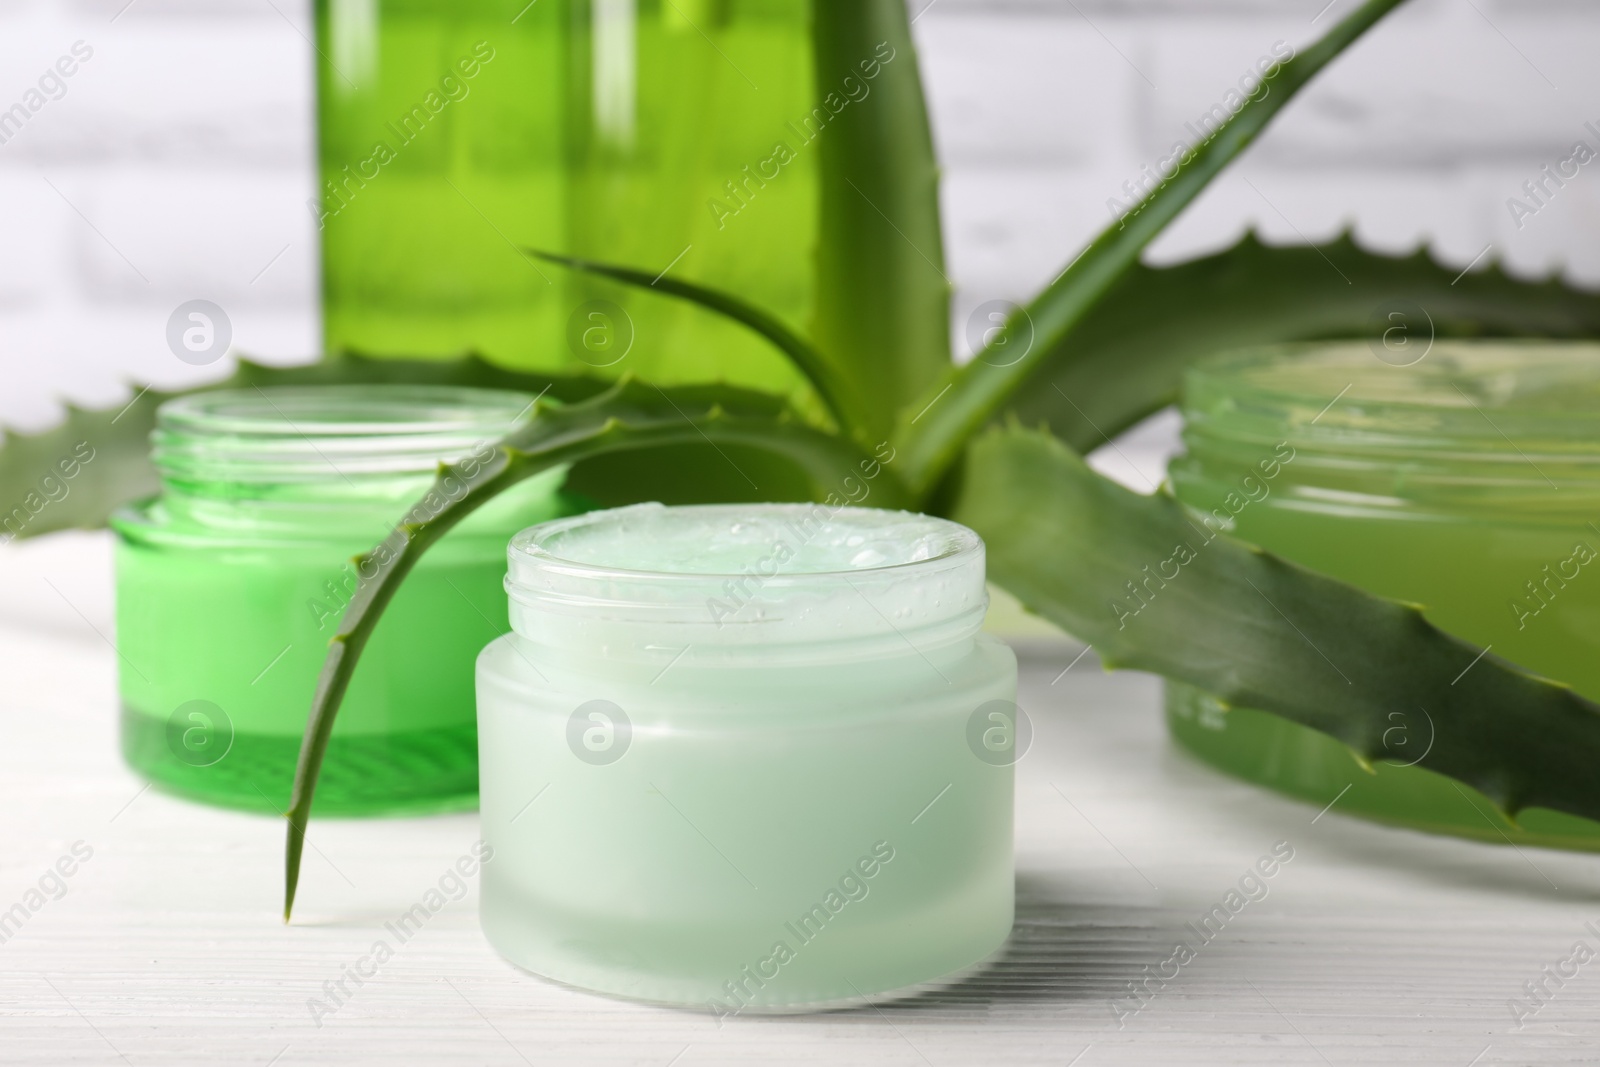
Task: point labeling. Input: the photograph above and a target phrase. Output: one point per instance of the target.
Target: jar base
(1308, 765)
(858, 999)
(416, 772)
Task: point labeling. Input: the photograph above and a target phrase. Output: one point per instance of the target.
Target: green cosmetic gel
(1467, 481)
(747, 758)
(231, 583)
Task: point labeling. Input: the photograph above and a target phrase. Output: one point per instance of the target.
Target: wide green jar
(1466, 480)
(231, 582)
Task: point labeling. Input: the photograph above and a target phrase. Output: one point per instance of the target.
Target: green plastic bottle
(669, 136)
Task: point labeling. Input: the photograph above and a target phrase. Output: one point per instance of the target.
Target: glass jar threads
(747, 757)
(1466, 481)
(231, 582)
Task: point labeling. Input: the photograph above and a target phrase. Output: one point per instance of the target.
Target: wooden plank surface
(1371, 945)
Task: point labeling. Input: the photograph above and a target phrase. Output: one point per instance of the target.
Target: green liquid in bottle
(633, 133)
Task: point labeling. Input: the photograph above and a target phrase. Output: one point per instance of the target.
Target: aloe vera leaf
(74, 474)
(117, 437)
(629, 416)
(1125, 358)
(954, 409)
(883, 300)
(805, 357)
(1262, 632)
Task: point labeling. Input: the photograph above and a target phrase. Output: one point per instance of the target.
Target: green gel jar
(747, 758)
(232, 581)
(1467, 482)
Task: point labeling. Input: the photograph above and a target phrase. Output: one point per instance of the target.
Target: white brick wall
(178, 162)
(176, 166)
(1418, 134)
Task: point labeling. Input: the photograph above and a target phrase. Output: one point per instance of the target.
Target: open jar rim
(1476, 398)
(1468, 425)
(328, 432)
(731, 574)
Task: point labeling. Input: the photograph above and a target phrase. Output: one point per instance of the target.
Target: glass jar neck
(733, 584)
(347, 458)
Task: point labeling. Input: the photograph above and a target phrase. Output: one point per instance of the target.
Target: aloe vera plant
(1110, 340)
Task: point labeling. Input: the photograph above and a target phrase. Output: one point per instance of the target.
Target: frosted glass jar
(747, 757)
(231, 582)
(1467, 481)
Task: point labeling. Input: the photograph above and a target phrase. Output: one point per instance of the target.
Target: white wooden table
(1371, 946)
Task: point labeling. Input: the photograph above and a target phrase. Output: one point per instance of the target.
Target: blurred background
(177, 160)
